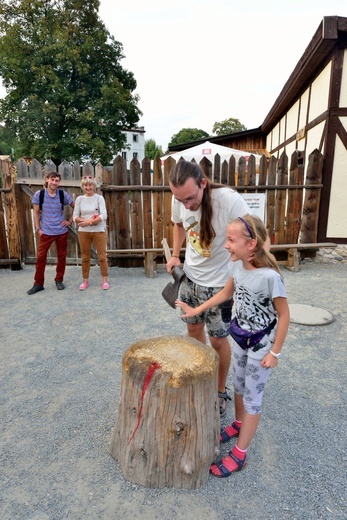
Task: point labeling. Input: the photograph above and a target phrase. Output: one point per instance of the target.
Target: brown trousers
(86, 239)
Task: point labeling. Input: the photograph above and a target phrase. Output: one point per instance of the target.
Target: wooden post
(11, 213)
(309, 223)
(167, 427)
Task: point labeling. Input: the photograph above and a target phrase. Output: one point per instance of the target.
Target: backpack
(61, 196)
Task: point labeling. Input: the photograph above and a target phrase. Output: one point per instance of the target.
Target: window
(135, 136)
(124, 155)
(135, 154)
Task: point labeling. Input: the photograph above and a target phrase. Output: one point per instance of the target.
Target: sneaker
(35, 289)
(60, 286)
(84, 286)
(105, 286)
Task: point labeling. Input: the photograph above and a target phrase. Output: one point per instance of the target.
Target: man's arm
(179, 235)
(36, 209)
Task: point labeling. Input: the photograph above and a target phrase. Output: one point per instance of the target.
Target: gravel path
(61, 356)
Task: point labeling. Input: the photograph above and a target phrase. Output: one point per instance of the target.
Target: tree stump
(166, 432)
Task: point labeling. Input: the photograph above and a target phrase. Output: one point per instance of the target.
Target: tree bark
(167, 426)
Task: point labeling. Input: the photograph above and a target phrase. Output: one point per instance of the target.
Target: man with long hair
(201, 212)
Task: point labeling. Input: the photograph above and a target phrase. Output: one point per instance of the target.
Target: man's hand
(172, 263)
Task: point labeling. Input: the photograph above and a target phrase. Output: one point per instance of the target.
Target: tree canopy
(68, 97)
(228, 126)
(188, 135)
(152, 150)
(5, 143)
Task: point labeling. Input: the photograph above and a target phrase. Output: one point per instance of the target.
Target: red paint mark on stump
(152, 368)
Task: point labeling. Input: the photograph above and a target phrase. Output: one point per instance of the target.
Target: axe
(170, 292)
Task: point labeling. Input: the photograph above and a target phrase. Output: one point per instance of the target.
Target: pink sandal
(84, 286)
(105, 286)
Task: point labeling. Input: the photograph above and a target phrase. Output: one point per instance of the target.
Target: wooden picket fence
(139, 204)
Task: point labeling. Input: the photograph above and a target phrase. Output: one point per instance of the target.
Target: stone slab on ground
(309, 315)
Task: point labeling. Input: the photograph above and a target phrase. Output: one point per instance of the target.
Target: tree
(228, 126)
(152, 150)
(6, 147)
(67, 95)
(188, 135)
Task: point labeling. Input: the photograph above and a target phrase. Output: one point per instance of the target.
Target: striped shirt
(52, 215)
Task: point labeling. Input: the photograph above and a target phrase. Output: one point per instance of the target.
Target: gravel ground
(61, 356)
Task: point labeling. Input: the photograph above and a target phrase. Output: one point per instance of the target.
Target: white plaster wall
(292, 120)
(313, 139)
(290, 148)
(273, 138)
(343, 93)
(282, 135)
(303, 109)
(337, 217)
(320, 93)
(269, 141)
(134, 147)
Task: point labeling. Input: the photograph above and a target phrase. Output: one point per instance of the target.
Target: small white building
(135, 145)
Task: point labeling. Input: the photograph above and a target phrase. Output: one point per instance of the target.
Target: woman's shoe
(105, 286)
(84, 286)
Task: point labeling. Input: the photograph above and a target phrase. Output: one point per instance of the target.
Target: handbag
(247, 339)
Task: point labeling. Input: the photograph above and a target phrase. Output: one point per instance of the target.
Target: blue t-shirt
(52, 215)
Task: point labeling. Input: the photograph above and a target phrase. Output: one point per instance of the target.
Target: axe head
(170, 292)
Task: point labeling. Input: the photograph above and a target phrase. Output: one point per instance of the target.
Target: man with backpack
(50, 226)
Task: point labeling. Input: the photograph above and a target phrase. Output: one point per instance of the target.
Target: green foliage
(5, 142)
(188, 135)
(152, 150)
(228, 126)
(67, 95)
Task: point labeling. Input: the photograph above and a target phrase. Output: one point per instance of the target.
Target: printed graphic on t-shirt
(254, 305)
(193, 230)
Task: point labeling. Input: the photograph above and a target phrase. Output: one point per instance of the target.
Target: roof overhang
(215, 139)
(332, 31)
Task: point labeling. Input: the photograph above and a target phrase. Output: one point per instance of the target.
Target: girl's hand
(189, 312)
(269, 361)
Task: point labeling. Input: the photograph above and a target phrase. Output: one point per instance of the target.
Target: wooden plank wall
(139, 201)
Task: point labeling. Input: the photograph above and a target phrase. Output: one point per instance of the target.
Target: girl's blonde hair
(88, 179)
(254, 227)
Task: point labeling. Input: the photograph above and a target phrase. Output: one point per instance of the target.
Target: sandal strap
(240, 462)
(224, 395)
(225, 437)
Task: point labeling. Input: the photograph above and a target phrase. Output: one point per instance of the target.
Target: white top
(86, 207)
(255, 290)
(209, 267)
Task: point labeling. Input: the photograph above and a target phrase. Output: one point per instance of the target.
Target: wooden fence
(139, 203)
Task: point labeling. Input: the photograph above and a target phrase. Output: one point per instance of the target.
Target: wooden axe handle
(166, 248)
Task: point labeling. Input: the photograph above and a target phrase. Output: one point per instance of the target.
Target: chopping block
(166, 432)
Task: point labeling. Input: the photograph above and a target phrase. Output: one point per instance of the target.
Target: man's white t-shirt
(209, 267)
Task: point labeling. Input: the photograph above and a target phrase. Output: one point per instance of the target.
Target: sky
(197, 62)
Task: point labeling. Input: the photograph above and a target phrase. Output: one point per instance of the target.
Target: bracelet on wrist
(175, 256)
(276, 355)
